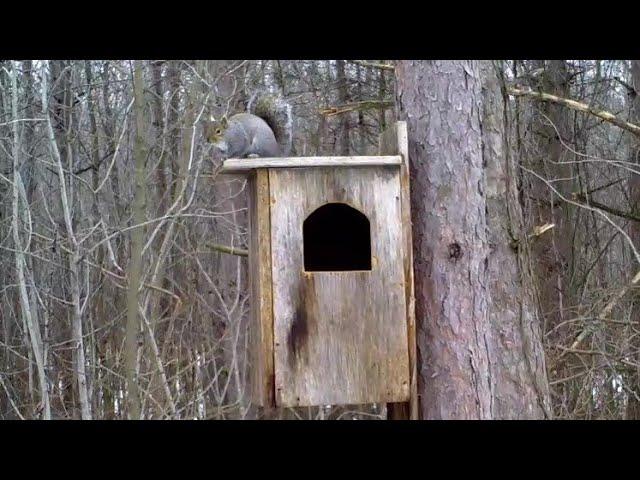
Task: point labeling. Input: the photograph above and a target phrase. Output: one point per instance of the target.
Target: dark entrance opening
(337, 237)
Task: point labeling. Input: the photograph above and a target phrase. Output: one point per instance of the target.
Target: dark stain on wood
(271, 388)
(299, 331)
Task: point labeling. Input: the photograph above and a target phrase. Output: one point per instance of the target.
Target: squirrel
(266, 130)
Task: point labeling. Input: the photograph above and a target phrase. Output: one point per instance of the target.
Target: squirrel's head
(214, 131)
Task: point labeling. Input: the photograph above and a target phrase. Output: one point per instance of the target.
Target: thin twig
(350, 107)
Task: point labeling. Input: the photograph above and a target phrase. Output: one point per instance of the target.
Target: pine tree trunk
(479, 351)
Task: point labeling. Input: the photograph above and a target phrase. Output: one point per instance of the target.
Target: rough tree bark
(517, 363)
(479, 351)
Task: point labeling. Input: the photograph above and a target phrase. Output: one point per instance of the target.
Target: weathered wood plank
(261, 294)
(340, 337)
(395, 140)
(235, 165)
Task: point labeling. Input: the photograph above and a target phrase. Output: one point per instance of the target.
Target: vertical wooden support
(392, 142)
(263, 380)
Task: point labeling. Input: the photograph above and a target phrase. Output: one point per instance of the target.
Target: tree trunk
(135, 266)
(231, 272)
(520, 388)
(471, 307)
(29, 318)
(552, 251)
(343, 98)
(633, 405)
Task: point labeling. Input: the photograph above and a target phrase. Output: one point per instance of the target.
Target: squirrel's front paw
(253, 155)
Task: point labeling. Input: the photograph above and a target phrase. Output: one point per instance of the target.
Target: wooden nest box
(331, 278)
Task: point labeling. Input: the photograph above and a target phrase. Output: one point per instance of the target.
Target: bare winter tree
(123, 273)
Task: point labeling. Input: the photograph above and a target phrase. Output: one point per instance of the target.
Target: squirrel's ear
(224, 122)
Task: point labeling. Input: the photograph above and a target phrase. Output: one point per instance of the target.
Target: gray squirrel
(265, 131)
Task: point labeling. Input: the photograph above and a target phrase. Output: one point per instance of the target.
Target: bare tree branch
(379, 66)
(606, 310)
(230, 250)
(582, 107)
(350, 107)
(606, 208)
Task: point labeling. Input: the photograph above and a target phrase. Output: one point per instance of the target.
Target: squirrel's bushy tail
(277, 112)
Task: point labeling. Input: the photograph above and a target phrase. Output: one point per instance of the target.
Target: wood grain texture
(261, 342)
(340, 337)
(234, 165)
(393, 141)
